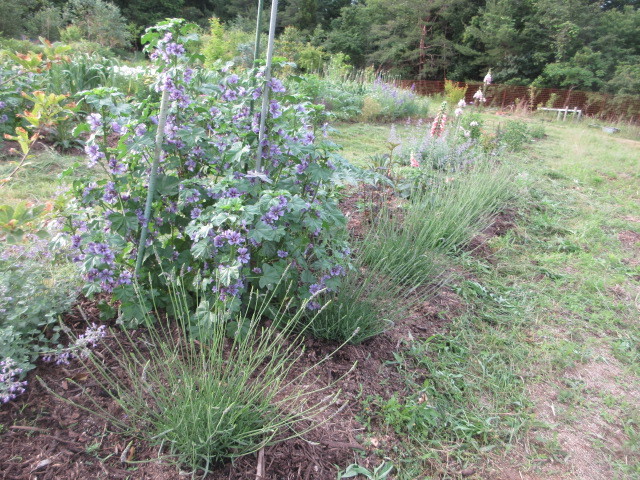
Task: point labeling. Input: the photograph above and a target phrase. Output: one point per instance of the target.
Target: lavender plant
(217, 222)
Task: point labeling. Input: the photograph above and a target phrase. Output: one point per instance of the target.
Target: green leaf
(123, 223)
(262, 231)
(271, 274)
(167, 185)
(202, 249)
(228, 275)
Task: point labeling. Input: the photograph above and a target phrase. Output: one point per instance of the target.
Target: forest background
(581, 44)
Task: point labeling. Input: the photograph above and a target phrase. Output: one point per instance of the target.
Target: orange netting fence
(600, 105)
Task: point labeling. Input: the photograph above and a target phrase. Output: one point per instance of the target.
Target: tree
(303, 14)
(144, 13)
(99, 22)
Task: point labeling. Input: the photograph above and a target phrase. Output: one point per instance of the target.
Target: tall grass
(444, 215)
(216, 398)
(367, 304)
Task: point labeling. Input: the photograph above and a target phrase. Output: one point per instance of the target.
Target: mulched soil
(43, 437)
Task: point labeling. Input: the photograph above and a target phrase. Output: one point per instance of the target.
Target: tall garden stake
(256, 48)
(267, 77)
(162, 120)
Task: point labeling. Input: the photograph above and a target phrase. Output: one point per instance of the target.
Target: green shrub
(227, 44)
(453, 92)
(34, 291)
(99, 21)
(514, 135)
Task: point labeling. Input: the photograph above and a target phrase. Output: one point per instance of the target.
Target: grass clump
(205, 397)
(443, 216)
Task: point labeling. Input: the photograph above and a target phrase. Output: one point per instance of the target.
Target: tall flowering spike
(488, 78)
(479, 96)
(413, 161)
(437, 127)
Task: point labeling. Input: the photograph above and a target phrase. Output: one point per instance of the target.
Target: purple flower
(283, 254)
(301, 167)
(89, 188)
(338, 270)
(110, 193)
(190, 163)
(243, 255)
(313, 306)
(140, 129)
(94, 154)
(118, 129)
(257, 270)
(308, 138)
(187, 75)
(233, 237)
(10, 387)
(218, 241)
(75, 241)
(193, 196)
(233, 192)
(4, 118)
(95, 121)
(315, 288)
(274, 109)
(276, 85)
(232, 79)
(125, 278)
(229, 95)
(117, 168)
(195, 213)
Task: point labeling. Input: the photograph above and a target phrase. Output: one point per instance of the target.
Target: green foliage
(99, 21)
(71, 33)
(366, 306)
(453, 92)
(224, 44)
(241, 225)
(17, 222)
(46, 22)
(380, 472)
(515, 134)
(386, 102)
(293, 45)
(443, 216)
(34, 291)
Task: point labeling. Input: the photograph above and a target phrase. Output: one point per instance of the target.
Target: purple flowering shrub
(34, 291)
(221, 226)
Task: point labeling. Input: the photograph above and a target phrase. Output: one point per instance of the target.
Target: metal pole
(267, 77)
(256, 48)
(162, 121)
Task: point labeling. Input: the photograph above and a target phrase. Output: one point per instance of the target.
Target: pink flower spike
(412, 160)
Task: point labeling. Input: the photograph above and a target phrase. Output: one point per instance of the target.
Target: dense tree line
(585, 44)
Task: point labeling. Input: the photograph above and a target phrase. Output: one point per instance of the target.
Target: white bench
(565, 110)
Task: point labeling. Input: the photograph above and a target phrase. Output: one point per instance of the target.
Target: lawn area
(539, 371)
